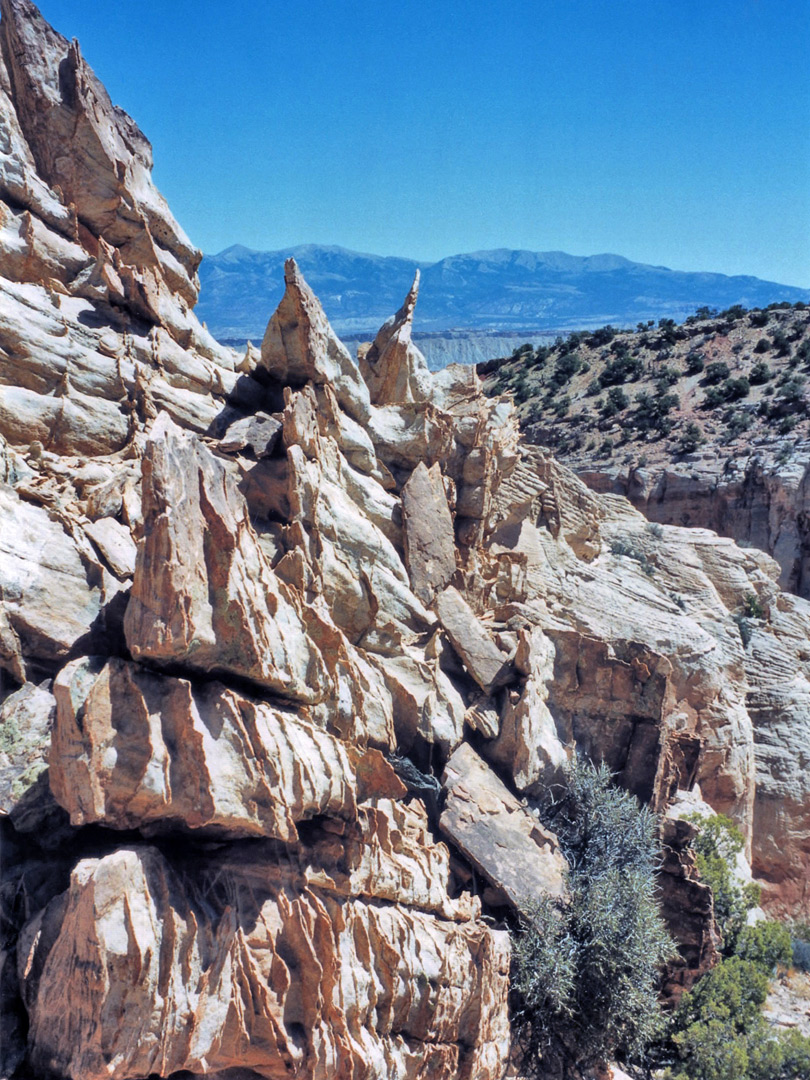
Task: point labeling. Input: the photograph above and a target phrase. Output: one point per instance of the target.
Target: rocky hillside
(702, 424)
(289, 647)
(482, 290)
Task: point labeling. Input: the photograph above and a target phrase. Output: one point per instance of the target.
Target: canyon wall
(759, 496)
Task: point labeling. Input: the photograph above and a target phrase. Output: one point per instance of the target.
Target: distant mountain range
(509, 291)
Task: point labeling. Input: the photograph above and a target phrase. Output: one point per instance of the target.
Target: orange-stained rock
(393, 368)
(132, 748)
(144, 969)
(300, 346)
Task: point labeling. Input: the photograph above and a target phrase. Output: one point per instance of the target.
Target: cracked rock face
(286, 645)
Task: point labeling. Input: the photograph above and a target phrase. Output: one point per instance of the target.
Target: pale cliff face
(232, 587)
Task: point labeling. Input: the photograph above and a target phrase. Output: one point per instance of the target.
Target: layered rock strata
(759, 495)
(288, 655)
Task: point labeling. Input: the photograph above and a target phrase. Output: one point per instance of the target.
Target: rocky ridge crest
(288, 646)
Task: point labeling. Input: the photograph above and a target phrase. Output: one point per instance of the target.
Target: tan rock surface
(97, 279)
(481, 656)
(132, 748)
(527, 740)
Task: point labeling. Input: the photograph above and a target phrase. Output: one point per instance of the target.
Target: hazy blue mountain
(502, 290)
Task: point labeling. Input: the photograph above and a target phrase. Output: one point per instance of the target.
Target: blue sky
(674, 132)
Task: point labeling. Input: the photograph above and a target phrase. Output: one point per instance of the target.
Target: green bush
(566, 367)
(615, 402)
(651, 412)
(752, 606)
(691, 438)
(694, 362)
(780, 343)
(714, 396)
(603, 336)
(667, 376)
(760, 373)
(522, 350)
(734, 389)
(719, 1032)
(800, 944)
(766, 945)
(624, 368)
(717, 845)
(716, 372)
(738, 422)
(631, 551)
(763, 345)
(585, 973)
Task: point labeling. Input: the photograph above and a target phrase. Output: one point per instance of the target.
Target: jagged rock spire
(393, 367)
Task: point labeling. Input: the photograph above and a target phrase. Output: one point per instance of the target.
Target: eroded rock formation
(287, 655)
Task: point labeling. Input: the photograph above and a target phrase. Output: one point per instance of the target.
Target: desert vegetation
(719, 377)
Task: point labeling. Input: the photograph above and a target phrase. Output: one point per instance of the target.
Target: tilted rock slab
(500, 837)
(392, 366)
(481, 656)
(204, 595)
(430, 543)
